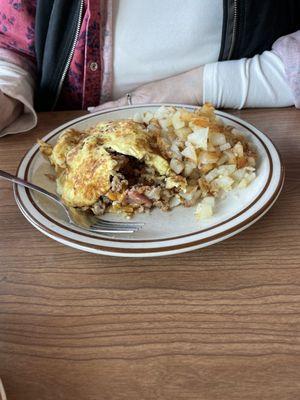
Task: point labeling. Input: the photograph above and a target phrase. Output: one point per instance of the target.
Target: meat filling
(130, 186)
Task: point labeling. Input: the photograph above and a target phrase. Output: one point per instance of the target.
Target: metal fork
(76, 217)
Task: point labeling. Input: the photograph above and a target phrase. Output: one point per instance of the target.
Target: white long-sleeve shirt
(178, 36)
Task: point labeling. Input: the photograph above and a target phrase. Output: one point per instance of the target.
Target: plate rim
(131, 251)
(120, 240)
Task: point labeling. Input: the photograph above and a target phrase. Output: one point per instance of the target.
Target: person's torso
(155, 39)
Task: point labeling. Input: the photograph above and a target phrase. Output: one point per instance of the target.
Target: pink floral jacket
(89, 78)
(87, 82)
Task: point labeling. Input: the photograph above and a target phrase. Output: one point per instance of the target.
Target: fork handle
(22, 182)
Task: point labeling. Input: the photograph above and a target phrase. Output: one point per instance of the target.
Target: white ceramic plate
(164, 233)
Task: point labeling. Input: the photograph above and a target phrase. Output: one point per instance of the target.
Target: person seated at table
(75, 54)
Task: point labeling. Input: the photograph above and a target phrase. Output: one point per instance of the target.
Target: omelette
(164, 159)
(111, 167)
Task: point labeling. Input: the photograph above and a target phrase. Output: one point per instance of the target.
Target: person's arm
(17, 66)
(185, 88)
(288, 49)
(10, 110)
(259, 81)
(271, 79)
(16, 99)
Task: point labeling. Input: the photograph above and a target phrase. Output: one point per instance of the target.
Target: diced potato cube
(248, 178)
(175, 150)
(183, 133)
(246, 173)
(186, 115)
(224, 182)
(209, 200)
(203, 211)
(177, 121)
(217, 139)
(176, 165)
(138, 117)
(225, 146)
(175, 201)
(226, 170)
(164, 112)
(230, 156)
(190, 153)
(165, 123)
(189, 167)
(212, 175)
(208, 157)
(238, 150)
(199, 138)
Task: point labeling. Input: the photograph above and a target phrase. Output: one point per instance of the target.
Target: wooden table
(218, 323)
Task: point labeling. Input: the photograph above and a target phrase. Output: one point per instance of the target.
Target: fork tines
(116, 226)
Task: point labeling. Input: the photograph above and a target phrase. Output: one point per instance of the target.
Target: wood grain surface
(218, 323)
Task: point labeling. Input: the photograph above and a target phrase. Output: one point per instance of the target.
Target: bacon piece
(134, 197)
